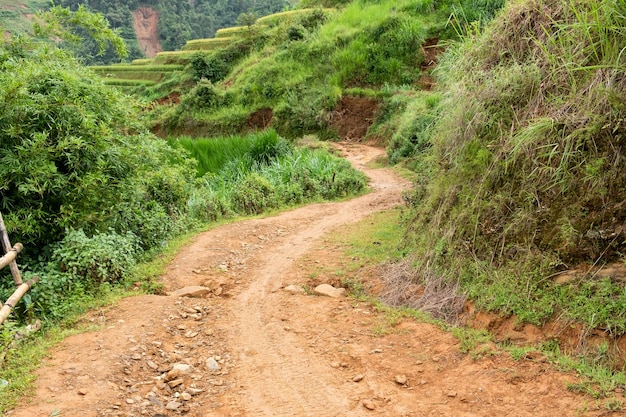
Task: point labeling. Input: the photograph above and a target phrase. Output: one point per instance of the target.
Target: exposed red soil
(146, 25)
(353, 116)
(431, 51)
(251, 348)
(260, 119)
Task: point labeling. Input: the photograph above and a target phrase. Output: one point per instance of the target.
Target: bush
(104, 257)
(254, 195)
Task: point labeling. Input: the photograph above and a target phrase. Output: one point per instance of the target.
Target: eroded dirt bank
(250, 348)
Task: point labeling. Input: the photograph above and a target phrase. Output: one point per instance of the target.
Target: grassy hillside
(15, 14)
(521, 197)
(300, 64)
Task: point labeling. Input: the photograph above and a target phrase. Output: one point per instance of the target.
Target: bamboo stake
(13, 299)
(11, 255)
(6, 245)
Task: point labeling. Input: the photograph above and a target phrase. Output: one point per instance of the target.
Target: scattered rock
(330, 291)
(212, 364)
(175, 383)
(193, 391)
(82, 391)
(130, 401)
(294, 289)
(173, 405)
(194, 291)
(401, 379)
(451, 394)
(135, 356)
(358, 378)
(369, 404)
(185, 396)
(152, 365)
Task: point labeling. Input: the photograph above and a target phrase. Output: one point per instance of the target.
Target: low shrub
(103, 257)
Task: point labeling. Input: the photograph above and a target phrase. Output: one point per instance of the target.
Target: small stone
(194, 291)
(329, 291)
(152, 365)
(358, 378)
(135, 356)
(335, 364)
(369, 404)
(130, 401)
(173, 405)
(186, 396)
(377, 350)
(401, 379)
(82, 391)
(212, 364)
(193, 391)
(294, 289)
(451, 394)
(175, 383)
(183, 368)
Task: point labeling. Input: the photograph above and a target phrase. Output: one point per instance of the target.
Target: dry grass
(430, 293)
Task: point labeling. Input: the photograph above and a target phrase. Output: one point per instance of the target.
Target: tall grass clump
(526, 166)
(261, 171)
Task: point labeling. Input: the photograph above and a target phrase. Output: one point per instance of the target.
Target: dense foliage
(299, 63)
(89, 191)
(179, 21)
(522, 173)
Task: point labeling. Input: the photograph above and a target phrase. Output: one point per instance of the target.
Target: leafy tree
(72, 154)
(247, 19)
(68, 25)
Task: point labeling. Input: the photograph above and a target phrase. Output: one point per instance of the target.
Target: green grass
(143, 61)
(128, 83)
(133, 68)
(213, 153)
(210, 44)
(276, 18)
(173, 57)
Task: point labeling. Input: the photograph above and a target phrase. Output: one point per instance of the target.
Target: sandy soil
(248, 347)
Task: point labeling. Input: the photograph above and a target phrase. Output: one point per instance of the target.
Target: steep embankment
(520, 198)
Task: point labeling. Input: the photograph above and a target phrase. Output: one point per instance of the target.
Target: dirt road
(245, 346)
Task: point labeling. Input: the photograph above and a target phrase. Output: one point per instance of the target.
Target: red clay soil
(146, 25)
(353, 116)
(260, 119)
(247, 345)
(431, 52)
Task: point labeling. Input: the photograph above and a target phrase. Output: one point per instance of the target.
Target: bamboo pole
(13, 299)
(11, 255)
(6, 245)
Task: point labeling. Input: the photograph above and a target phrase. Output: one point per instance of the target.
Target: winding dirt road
(244, 346)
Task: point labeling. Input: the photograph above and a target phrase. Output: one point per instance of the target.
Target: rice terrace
(312, 208)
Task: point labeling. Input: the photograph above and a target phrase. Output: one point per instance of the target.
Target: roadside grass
(358, 257)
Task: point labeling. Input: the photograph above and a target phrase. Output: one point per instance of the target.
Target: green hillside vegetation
(179, 20)
(300, 63)
(15, 15)
(515, 138)
(90, 192)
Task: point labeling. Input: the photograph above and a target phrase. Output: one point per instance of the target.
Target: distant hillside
(15, 14)
(174, 22)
